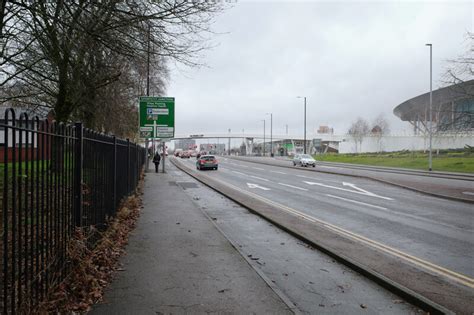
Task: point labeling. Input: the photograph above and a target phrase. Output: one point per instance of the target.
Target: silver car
(304, 160)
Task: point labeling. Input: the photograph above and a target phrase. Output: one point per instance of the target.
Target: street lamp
(304, 150)
(430, 161)
(263, 136)
(271, 133)
(228, 153)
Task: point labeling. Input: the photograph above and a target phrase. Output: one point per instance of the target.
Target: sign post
(157, 120)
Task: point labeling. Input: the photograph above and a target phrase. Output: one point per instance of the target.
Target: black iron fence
(56, 178)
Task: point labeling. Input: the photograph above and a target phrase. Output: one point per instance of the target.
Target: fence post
(78, 161)
(128, 166)
(114, 176)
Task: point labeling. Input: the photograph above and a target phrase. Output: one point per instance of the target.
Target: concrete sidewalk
(178, 262)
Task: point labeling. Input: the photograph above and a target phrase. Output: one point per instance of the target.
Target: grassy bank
(449, 161)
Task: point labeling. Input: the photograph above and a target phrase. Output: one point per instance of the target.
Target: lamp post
(271, 133)
(263, 136)
(430, 157)
(304, 146)
(228, 153)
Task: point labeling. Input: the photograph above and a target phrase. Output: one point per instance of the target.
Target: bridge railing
(55, 178)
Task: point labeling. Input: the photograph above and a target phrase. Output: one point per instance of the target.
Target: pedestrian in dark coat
(156, 160)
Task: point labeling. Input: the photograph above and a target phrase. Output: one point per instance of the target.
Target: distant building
(31, 136)
(185, 144)
(212, 148)
(326, 130)
(452, 109)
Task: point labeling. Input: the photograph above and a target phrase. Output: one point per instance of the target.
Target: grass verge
(448, 161)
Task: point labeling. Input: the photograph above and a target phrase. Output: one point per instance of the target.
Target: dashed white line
(358, 202)
(278, 172)
(264, 179)
(302, 176)
(239, 173)
(295, 187)
(258, 168)
(468, 193)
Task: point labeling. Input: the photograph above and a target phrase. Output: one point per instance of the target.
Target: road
(313, 281)
(432, 233)
(458, 186)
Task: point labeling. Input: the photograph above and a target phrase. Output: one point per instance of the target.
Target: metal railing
(56, 178)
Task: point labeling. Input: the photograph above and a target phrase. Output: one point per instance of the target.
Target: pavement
(178, 262)
(440, 184)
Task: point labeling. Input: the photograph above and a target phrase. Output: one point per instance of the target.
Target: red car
(207, 162)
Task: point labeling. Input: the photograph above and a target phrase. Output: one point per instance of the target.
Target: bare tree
(380, 128)
(457, 115)
(358, 130)
(67, 56)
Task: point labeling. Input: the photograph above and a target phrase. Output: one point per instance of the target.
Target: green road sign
(156, 112)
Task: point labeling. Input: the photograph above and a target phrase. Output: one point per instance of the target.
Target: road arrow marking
(250, 185)
(357, 188)
(349, 190)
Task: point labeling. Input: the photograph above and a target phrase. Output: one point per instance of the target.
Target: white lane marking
(250, 185)
(344, 189)
(468, 193)
(295, 187)
(239, 173)
(258, 168)
(302, 176)
(264, 179)
(327, 166)
(358, 202)
(278, 172)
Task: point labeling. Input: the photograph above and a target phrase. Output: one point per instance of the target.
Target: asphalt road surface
(434, 233)
(313, 281)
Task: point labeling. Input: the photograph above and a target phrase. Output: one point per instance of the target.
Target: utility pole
(287, 130)
(271, 133)
(263, 137)
(304, 146)
(229, 143)
(430, 158)
(304, 125)
(148, 94)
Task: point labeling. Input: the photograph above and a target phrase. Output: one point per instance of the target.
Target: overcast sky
(348, 58)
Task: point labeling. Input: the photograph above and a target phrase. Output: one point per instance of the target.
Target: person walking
(156, 160)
